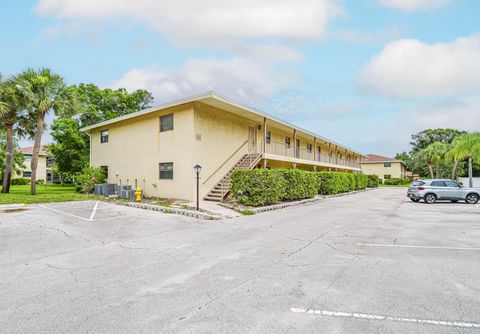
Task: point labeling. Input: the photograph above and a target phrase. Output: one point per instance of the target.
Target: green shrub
(373, 181)
(89, 177)
(20, 181)
(331, 183)
(247, 212)
(361, 181)
(397, 181)
(40, 181)
(300, 184)
(257, 187)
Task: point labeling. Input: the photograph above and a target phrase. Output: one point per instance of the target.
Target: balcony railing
(282, 149)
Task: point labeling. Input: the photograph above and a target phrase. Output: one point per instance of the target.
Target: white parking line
(377, 317)
(93, 211)
(420, 246)
(63, 213)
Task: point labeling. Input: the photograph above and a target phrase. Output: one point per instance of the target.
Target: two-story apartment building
(157, 148)
(383, 167)
(44, 171)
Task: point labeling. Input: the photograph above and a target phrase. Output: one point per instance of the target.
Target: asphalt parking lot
(372, 262)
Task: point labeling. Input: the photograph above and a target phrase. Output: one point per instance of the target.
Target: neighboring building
(157, 148)
(44, 171)
(383, 167)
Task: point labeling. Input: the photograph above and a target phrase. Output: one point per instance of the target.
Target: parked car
(442, 189)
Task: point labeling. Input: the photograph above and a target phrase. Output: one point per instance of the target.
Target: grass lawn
(45, 193)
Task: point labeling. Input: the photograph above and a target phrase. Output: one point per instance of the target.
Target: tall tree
(45, 91)
(11, 112)
(424, 138)
(468, 147)
(433, 154)
(18, 158)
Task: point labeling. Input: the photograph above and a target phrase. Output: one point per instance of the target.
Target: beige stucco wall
(41, 168)
(397, 169)
(136, 147)
(221, 139)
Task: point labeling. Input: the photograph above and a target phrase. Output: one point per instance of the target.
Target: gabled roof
(213, 99)
(375, 158)
(29, 150)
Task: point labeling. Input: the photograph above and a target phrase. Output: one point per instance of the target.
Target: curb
(304, 201)
(177, 211)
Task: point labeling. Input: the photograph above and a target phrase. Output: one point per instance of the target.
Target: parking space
(363, 263)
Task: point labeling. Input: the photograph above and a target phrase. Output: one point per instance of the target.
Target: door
(455, 191)
(251, 138)
(440, 189)
(298, 148)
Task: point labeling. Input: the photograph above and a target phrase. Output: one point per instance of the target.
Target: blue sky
(366, 73)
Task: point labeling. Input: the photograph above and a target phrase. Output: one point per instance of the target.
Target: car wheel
(472, 199)
(430, 198)
(415, 199)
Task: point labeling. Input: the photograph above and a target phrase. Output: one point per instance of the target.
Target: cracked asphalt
(136, 271)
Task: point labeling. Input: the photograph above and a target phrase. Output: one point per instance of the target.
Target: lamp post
(197, 168)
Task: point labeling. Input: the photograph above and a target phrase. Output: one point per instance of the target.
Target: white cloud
(192, 21)
(409, 68)
(458, 113)
(413, 5)
(239, 78)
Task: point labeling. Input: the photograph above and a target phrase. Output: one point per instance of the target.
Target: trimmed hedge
(300, 184)
(257, 187)
(22, 181)
(332, 183)
(397, 181)
(361, 181)
(373, 181)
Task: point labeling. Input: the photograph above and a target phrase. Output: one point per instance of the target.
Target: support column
(295, 143)
(264, 148)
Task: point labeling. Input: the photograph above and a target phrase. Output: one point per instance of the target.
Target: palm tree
(45, 91)
(11, 107)
(467, 147)
(433, 154)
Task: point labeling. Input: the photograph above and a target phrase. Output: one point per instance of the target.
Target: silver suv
(441, 189)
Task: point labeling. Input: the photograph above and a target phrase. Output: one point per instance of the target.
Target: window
(27, 174)
(438, 184)
(166, 123)
(269, 137)
(452, 184)
(418, 183)
(387, 164)
(386, 177)
(27, 156)
(105, 171)
(287, 142)
(309, 148)
(166, 171)
(49, 162)
(104, 136)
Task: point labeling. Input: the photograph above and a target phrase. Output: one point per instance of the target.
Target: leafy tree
(70, 150)
(433, 154)
(104, 104)
(406, 158)
(45, 91)
(12, 113)
(18, 158)
(426, 137)
(467, 147)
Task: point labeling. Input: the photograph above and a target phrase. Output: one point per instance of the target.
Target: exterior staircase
(220, 191)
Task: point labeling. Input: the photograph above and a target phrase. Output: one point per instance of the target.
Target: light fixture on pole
(197, 168)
